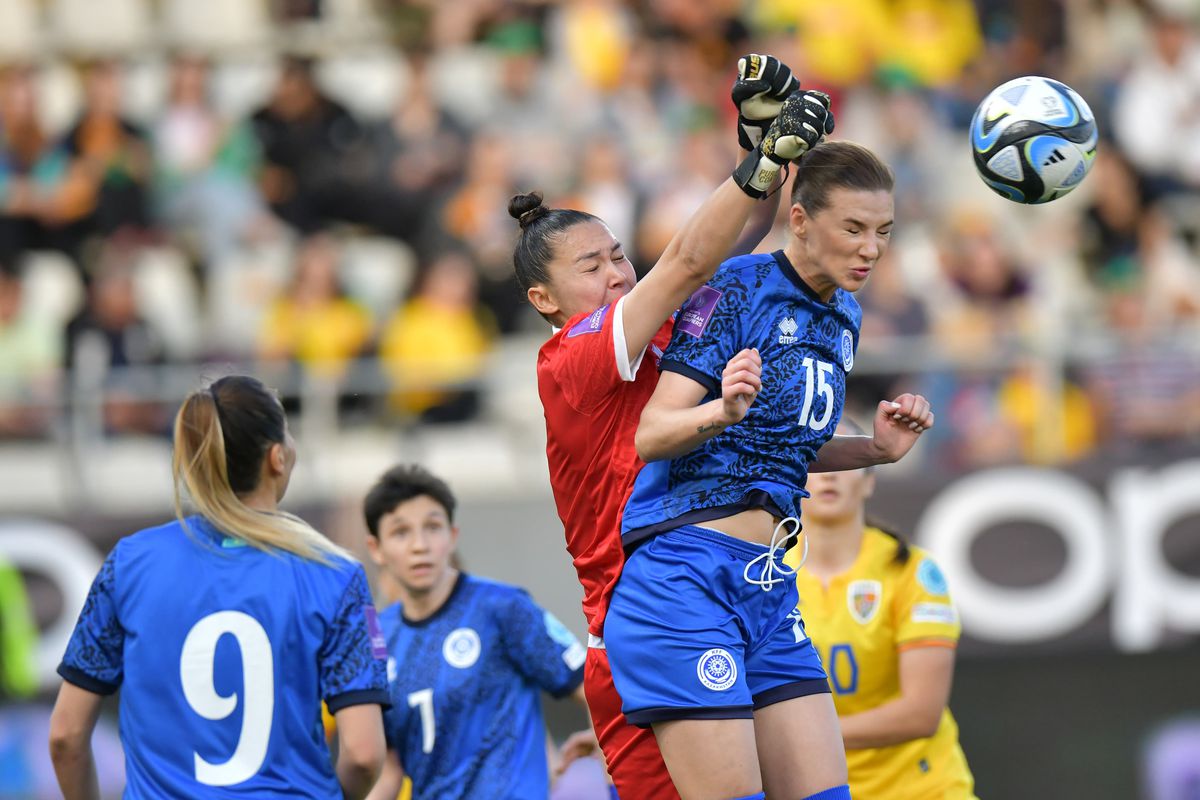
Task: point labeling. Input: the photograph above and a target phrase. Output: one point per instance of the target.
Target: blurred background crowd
(318, 187)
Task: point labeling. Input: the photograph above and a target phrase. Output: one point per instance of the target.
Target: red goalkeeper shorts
(634, 762)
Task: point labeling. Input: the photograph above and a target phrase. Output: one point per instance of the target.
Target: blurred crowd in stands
(329, 200)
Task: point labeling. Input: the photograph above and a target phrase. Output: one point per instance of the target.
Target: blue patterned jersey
(807, 348)
(466, 682)
(223, 654)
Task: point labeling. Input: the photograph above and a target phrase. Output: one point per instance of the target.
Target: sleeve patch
(942, 613)
(697, 311)
(378, 642)
(574, 655)
(931, 578)
(592, 323)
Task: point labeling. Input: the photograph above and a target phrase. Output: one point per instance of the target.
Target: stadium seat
(216, 24)
(60, 95)
(19, 34)
(377, 272)
(470, 456)
(240, 85)
(145, 85)
(31, 476)
(52, 288)
(370, 82)
(167, 298)
(90, 28)
(238, 294)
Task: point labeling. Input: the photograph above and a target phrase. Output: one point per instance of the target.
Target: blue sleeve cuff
(707, 381)
(79, 678)
(362, 697)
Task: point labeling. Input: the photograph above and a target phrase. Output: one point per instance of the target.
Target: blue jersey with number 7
(467, 683)
(807, 348)
(223, 654)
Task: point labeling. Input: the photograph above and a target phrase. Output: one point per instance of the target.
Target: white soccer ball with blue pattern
(1034, 139)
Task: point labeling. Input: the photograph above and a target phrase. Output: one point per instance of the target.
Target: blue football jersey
(807, 348)
(223, 654)
(466, 683)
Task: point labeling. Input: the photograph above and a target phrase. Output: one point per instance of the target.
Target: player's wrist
(756, 174)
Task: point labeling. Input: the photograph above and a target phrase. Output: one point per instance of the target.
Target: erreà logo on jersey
(787, 331)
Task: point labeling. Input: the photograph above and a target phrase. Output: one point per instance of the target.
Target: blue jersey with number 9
(223, 654)
(807, 348)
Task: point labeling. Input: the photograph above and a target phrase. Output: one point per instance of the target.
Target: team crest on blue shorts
(717, 670)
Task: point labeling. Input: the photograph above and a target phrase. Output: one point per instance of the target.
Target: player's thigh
(710, 759)
(631, 753)
(800, 747)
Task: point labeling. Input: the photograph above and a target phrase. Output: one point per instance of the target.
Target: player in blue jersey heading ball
(703, 634)
(468, 658)
(225, 630)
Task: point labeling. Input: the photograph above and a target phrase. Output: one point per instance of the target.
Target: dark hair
(252, 420)
(400, 484)
(838, 165)
(222, 435)
(539, 227)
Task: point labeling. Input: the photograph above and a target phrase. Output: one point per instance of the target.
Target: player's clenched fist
(898, 424)
(804, 120)
(762, 84)
(741, 382)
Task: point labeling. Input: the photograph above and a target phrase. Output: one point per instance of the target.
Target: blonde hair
(209, 453)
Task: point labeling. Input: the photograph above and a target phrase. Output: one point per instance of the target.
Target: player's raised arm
(898, 424)
(707, 238)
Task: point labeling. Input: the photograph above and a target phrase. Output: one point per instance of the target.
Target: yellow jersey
(860, 624)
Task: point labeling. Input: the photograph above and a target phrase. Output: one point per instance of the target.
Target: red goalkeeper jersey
(593, 397)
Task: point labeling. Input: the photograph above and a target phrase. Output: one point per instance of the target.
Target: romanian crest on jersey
(461, 648)
(717, 670)
(847, 350)
(863, 599)
(787, 330)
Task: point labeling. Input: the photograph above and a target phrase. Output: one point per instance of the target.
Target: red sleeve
(592, 360)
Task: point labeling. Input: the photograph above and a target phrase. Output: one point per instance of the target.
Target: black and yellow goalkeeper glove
(762, 84)
(803, 121)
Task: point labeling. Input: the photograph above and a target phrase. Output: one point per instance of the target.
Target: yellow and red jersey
(860, 623)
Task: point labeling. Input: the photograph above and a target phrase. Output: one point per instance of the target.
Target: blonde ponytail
(199, 464)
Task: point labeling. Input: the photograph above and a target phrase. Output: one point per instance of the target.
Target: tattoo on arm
(712, 426)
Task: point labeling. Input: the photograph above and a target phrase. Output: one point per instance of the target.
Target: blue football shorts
(689, 637)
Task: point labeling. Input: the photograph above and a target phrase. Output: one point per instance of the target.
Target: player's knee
(836, 793)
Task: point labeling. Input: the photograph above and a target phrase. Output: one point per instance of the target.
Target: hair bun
(527, 208)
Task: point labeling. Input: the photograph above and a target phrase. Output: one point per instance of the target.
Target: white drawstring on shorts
(767, 576)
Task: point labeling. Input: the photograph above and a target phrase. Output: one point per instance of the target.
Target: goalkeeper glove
(803, 121)
(762, 84)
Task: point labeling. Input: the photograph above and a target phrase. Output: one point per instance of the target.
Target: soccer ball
(1034, 139)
